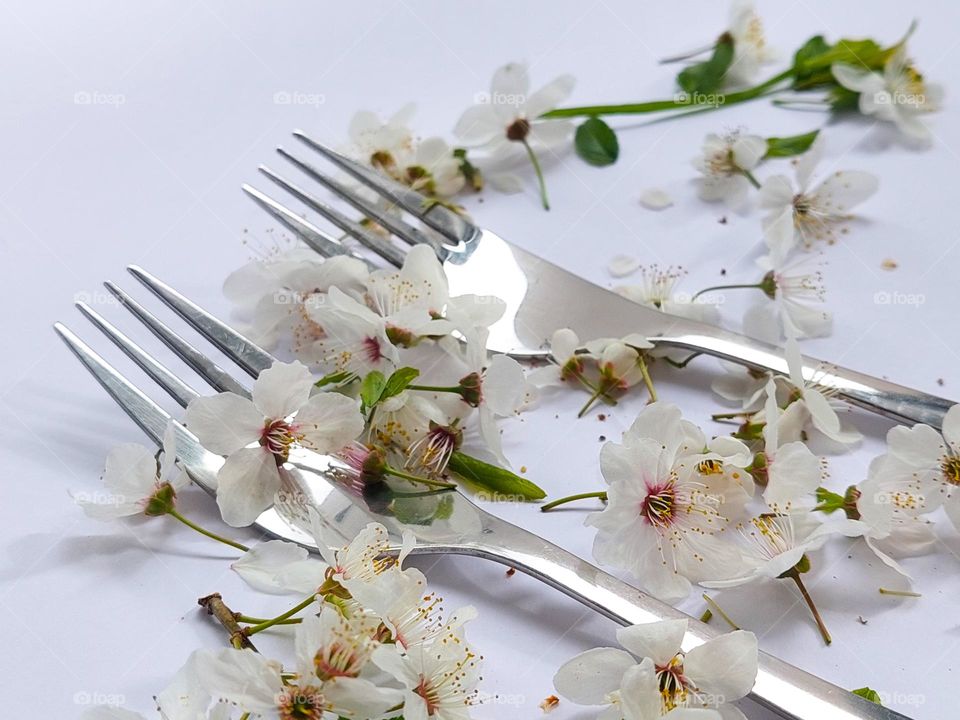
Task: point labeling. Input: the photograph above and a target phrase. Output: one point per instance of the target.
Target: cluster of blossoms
(370, 641)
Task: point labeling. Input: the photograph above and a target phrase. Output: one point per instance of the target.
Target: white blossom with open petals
(723, 162)
(507, 116)
(657, 679)
(801, 215)
(797, 307)
(257, 434)
(899, 94)
(673, 539)
(133, 478)
(750, 48)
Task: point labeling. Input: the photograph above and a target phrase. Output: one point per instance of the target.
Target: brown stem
(215, 606)
(795, 576)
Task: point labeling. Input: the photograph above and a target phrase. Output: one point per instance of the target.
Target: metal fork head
(312, 490)
(476, 261)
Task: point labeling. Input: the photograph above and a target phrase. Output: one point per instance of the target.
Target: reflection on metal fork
(310, 485)
(542, 297)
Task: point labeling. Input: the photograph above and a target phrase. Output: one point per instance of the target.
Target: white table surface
(182, 112)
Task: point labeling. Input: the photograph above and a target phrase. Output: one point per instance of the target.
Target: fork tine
(314, 237)
(219, 378)
(179, 390)
(403, 230)
(444, 221)
(246, 353)
(381, 247)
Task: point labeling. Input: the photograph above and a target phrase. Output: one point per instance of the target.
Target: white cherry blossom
(804, 214)
(723, 164)
(674, 538)
(136, 482)
(257, 435)
(657, 679)
(899, 95)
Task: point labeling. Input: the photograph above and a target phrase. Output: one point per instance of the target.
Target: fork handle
(883, 397)
(787, 691)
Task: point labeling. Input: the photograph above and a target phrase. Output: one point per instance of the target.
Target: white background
(149, 172)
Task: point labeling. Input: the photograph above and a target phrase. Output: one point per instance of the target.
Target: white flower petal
(725, 666)
(590, 676)
(248, 483)
(748, 151)
(655, 199)
(640, 692)
(243, 677)
(224, 423)
(279, 567)
(504, 385)
(659, 641)
(329, 421)
(282, 389)
(549, 96)
(622, 265)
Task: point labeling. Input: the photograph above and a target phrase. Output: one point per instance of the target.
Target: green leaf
(399, 381)
(811, 63)
(596, 142)
(344, 377)
(871, 695)
(491, 477)
(470, 171)
(780, 147)
(828, 501)
(707, 77)
(372, 388)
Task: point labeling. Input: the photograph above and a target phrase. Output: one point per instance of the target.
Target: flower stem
(744, 286)
(203, 531)
(418, 479)
(536, 168)
(687, 55)
(601, 494)
(749, 176)
(590, 401)
(647, 380)
(795, 576)
(717, 609)
(249, 620)
(279, 619)
(899, 593)
(435, 388)
(661, 105)
(215, 606)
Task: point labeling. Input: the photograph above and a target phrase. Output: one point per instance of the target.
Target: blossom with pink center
(661, 521)
(258, 434)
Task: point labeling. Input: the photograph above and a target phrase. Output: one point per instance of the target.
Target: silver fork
(542, 297)
(463, 528)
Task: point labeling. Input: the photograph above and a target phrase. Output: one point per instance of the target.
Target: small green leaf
(812, 62)
(780, 147)
(707, 77)
(871, 695)
(828, 501)
(491, 477)
(344, 377)
(469, 171)
(596, 142)
(372, 388)
(399, 381)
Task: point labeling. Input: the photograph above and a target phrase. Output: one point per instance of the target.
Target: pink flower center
(277, 437)
(371, 349)
(659, 507)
